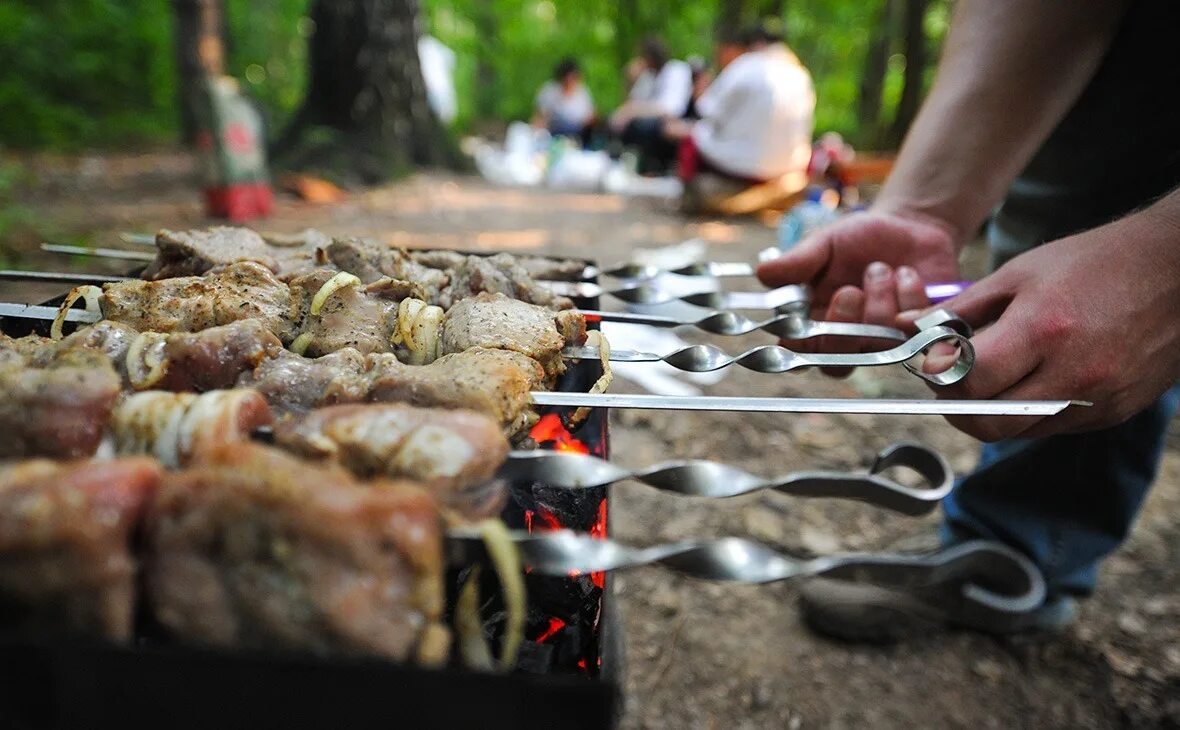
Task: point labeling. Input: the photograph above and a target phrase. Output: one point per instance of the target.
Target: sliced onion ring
(506, 561)
(594, 338)
(145, 361)
(339, 281)
(473, 646)
(299, 346)
(91, 294)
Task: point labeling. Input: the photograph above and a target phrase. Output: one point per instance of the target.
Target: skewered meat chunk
(454, 454)
(245, 290)
(65, 544)
(499, 273)
(177, 427)
(494, 321)
(371, 261)
(537, 267)
(22, 350)
(295, 384)
(363, 318)
(211, 359)
(195, 252)
(255, 548)
(496, 383)
(59, 410)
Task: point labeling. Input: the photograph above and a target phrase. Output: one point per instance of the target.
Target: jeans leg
(1066, 501)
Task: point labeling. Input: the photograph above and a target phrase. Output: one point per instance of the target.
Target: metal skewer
(778, 359)
(1014, 586)
(790, 326)
(648, 293)
(59, 276)
(569, 470)
(106, 253)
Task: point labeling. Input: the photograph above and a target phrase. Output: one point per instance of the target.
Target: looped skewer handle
(569, 470)
(795, 325)
(997, 584)
(778, 359)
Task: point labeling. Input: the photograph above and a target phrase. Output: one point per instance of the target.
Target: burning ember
(550, 433)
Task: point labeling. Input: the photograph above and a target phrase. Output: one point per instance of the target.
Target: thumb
(799, 265)
(980, 304)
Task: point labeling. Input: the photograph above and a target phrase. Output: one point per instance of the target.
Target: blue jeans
(1065, 501)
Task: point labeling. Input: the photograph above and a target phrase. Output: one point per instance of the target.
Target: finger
(911, 290)
(1005, 354)
(880, 288)
(980, 304)
(800, 265)
(847, 305)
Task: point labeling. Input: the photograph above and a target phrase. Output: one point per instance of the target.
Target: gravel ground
(709, 656)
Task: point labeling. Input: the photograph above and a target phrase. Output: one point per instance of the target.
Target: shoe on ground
(866, 613)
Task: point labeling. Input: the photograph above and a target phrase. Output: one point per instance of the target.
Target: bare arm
(1010, 71)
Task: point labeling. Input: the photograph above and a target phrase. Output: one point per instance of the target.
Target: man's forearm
(1010, 71)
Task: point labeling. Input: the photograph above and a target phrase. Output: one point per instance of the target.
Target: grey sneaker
(874, 614)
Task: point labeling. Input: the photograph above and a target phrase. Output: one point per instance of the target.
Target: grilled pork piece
(538, 267)
(177, 427)
(211, 359)
(499, 273)
(59, 410)
(65, 544)
(497, 322)
(454, 454)
(252, 547)
(244, 290)
(371, 261)
(195, 252)
(495, 383)
(293, 384)
(363, 318)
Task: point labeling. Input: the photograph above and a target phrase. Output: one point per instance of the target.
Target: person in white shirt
(757, 117)
(438, 71)
(563, 105)
(662, 91)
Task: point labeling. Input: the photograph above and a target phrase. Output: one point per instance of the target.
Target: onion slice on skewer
(339, 281)
(90, 292)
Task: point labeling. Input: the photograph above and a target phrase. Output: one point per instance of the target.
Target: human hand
(866, 267)
(1092, 317)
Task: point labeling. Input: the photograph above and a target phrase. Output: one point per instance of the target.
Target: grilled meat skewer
(321, 312)
(447, 277)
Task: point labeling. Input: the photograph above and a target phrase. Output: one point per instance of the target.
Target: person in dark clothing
(661, 91)
(1058, 121)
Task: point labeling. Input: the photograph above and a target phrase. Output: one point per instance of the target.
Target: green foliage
(81, 73)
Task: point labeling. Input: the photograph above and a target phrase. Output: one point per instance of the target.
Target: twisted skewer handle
(778, 359)
(997, 585)
(568, 470)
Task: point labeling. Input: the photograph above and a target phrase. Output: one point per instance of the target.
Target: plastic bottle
(817, 211)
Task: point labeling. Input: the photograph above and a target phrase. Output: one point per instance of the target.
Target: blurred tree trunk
(872, 80)
(916, 59)
(487, 30)
(365, 115)
(199, 29)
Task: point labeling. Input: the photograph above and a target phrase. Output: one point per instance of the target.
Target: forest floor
(715, 656)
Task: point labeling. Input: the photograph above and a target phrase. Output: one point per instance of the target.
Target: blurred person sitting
(661, 91)
(757, 116)
(563, 105)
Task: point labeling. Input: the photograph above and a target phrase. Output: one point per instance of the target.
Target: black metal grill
(567, 674)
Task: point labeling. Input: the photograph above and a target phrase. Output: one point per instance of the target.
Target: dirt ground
(703, 655)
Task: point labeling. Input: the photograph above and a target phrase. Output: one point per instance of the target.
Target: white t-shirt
(758, 115)
(438, 68)
(671, 88)
(574, 110)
